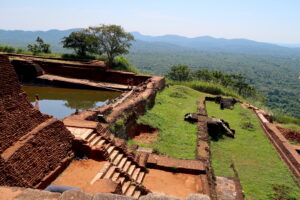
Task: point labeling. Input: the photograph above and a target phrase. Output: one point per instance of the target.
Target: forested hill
(207, 43)
(273, 69)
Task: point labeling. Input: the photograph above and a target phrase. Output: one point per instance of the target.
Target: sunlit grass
(257, 162)
(177, 138)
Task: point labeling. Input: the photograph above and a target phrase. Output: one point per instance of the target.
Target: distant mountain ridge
(208, 43)
(20, 38)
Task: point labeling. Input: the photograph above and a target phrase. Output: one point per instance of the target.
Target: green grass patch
(176, 138)
(257, 162)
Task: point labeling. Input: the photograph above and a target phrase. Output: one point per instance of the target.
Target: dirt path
(79, 174)
(172, 184)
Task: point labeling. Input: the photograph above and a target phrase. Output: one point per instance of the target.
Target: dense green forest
(276, 77)
(272, 69)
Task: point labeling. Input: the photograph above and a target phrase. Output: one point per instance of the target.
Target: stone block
(152, 196)
(112, 197)
(198, 197)
(75, 195)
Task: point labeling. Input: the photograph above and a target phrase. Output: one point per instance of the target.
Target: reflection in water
(61, 102)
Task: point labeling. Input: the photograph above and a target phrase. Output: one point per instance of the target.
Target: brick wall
(45, 144)
(42, 154)
(17, 116)
(95, 73)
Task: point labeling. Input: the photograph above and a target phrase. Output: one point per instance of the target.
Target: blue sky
(276, 21)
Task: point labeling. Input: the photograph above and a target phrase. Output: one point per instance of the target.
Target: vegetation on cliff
(232, 82)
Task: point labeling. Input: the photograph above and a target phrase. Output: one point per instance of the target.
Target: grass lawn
(177, 138)
(257, 162)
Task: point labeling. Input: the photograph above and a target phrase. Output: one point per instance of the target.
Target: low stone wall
(175, 165)
(132, 104)
(287, 152)
(203, 147)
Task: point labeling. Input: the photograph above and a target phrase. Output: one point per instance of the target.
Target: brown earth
(79, 174)
(172, 184)
(8, 193)
(145, 134)
(289, 134)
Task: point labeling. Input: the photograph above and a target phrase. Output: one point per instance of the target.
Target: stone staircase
(121, 166)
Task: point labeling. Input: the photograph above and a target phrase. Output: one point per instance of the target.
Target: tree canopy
(236, 82)
(179, 73)
(112, 40)
(81, 42)
(40, 47)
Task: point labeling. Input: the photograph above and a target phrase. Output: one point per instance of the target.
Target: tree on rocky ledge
(112, 40)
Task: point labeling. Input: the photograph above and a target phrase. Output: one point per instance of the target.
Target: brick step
(115, 176)
(131, 169)
(91, 138)
(136, 173)
(121, 179)
(137, 194)
(118, 159)
(110, 149)
(86, 135)
(130, 190)
(127, 165)
(122, 163)
(141, 177)
(110, 172)
(107, 146)
(114, 154)
(102, 142)
(96, 140)
(102, 172)
(125, 187)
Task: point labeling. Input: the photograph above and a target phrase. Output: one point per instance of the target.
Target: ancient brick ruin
(32, 145)
(36, 148)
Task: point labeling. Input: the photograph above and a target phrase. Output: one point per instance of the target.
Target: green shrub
(121, 63)
(7, 49)
(118, 128)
